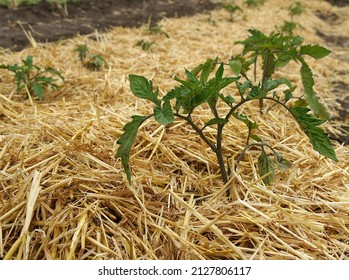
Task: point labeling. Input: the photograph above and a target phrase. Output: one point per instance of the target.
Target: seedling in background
(145, 45)
(32, 77)
(288, 27)
(89, 60)
(211, 20)
(204, 85)
(232, 9)
(296, 9)
(157, 30)
(254, 3)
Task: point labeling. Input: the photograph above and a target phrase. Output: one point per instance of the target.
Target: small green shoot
(89, 60)
(254, 3)
(296, 9)
(35, 79)
(145, 45)
(157, 30)
(232, 9)
(211, 20)
(205, 84)
(288, 27)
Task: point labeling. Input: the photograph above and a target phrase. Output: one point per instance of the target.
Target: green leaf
(54, 71)
(256, 138)
(251, 125)
(301, 103)
(38, 90)
(235, 66)
(266, 166)
(283, 164)
(220, 72)
(308, 83)
(243, 87)
(288, 96)
(126, 141)
(255, 93)
(164, 115)
(143, 88)
(314, 51)
(227, 99)
(284, 58)
(205, 68)
(82, 51)
(28, 62)
(216, 121)
(318, 138)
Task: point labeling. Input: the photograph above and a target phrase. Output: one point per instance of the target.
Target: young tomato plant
(204, 85)
(232, 9)
(254, 3)
(89, 60)
(32, 77)
(145, 45)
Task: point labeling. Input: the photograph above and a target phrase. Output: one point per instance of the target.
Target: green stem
(198, 130)
(219, 153)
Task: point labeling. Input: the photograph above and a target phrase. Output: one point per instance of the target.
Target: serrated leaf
(314, 103)
(164, 115)
(255, 93)
(54, 71)
(284, 58)
(318, 138)
(38, 90)
(28, 62)
(266, 166)
(205, 68)
(227, 99)
(126, 141)
(243, 86)
(191, 77)
(143, 88)
(314, 51)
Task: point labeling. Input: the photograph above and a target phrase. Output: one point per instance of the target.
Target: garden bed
(65, 196)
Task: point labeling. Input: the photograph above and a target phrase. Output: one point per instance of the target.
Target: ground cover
(65, 196)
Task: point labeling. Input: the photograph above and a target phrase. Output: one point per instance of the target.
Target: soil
(47, 22)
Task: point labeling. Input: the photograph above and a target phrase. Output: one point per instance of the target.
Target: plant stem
(219, 153)
(216, 149)
(198, 130)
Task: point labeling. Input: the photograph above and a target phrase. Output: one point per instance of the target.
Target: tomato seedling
(204, 85)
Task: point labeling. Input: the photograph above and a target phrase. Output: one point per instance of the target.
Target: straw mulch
(64, 196)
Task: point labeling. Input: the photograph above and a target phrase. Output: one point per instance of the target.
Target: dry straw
(64, 196)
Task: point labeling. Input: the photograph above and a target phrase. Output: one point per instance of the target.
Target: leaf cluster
(276, 51)
(32, 77)
(208, 84)
(89, 60)
(157, 30)
(254, 3)
(145, 45)
(296, 9)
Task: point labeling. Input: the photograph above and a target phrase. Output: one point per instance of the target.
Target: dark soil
(339, 3)
(47, 22)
